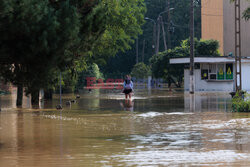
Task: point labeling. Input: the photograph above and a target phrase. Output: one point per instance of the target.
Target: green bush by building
(240, 104)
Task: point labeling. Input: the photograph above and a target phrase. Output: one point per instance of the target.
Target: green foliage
(246, 13)
(141, 71)
(94, 71)
(124, 22)
(208, 48)
(239, 104)
(91, 71)
(174, 73)
(203, 48)
(124, 62)
(68, 81)
(162, 69)
(35, 39)
(41, 38)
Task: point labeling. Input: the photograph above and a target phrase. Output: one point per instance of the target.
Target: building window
(229, 71)
(204, 71)
(212, 68)
(220, 71)
(204, 74)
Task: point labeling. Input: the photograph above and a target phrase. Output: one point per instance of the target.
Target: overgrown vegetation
(241, 102)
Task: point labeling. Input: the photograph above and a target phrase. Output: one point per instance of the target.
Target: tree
(91, 71)
(203, 48)
(41, 38)
(141, 71)
(35, 37)
(123, 62)
(174, 73)
(161, 68)
(124, 22)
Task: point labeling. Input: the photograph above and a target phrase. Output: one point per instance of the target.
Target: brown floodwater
(156, 128)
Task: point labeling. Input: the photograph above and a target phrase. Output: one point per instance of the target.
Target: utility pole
(60, 88)
(137, 52)
(168, 25)
(154, 39)
(154, 35)
(158, 36)
(143, 48)
(163, 33)
(191, 89)
(238, 79)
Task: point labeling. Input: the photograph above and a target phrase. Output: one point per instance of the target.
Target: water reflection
(100, 130)
(127, 105)
(207, 102)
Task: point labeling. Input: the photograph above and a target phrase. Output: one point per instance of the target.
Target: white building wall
(186, 79)
(245, 76)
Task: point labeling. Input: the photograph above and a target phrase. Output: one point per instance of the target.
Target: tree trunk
(169, 82)
(35, 97)
(48, 94)
(19, 100)
(180, 81)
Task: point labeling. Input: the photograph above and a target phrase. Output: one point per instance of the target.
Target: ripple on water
(121, 97)
(172, 138)
(155, 114)
(149, 114)
(242, 123)
(179, 157)
(65, 118)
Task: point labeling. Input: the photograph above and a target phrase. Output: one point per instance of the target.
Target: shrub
(239, 104)
(141, 71)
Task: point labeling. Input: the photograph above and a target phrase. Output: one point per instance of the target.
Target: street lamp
(154, 32)
(159, 21)
(147, 18)
(165, 11)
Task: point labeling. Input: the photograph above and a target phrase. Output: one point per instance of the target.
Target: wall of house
(229, 28)
(245, 76)
(212, 21)
(203, 85)
(218, 22)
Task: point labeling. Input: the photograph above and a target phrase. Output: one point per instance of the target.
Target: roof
(186, 60)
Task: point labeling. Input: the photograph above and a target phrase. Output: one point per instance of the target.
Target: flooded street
(158, 128)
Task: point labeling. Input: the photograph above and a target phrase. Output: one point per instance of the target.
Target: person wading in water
(127, 87)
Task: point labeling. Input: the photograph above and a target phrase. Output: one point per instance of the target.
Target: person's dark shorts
(127, 91)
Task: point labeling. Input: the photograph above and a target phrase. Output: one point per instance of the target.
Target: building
(218, 22)
(214, 73)
(218, 73)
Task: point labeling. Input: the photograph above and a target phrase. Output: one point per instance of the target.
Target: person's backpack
(128, 84)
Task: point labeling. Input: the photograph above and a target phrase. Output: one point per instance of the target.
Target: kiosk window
(204, 74)
(229, 71)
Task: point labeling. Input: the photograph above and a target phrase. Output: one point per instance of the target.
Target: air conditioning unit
(212, 76)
